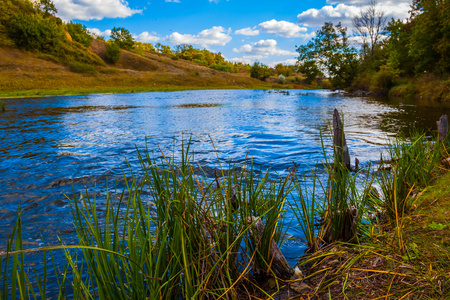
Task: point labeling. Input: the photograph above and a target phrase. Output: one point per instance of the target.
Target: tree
(79, 33)
(112, 52)
(259, 71)
(430, 36)
(47, 7)
(370, 25)
(332, 53)
(122, 38)
(35, 32)
(399, 59)
(281, 69)
(310, 70)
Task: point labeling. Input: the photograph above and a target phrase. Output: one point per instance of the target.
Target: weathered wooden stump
(279, 264)
(442, 125)
(341, 154)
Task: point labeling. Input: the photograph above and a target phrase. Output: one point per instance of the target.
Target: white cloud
(397, 9)
(93, 9)
(98, 32)
(217, 35)
(316, 17)
(282, 28)
(146, 37)
(364, 3)
(173, 1)
(264, 48)
(247, 31)
(247, 59)
(287, 62)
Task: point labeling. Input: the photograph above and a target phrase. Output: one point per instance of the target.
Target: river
(53, 145)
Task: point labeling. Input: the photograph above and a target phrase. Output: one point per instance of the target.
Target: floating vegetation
(198, 105)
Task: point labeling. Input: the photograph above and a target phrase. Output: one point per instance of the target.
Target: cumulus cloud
(173, 1)
(216, 36)
(98, 32)
(146, 37)
(264, 48)
(364, 3)
(291, 61)
(247, 59)
(345, 12)
(93, 9)
(247, 31)
(282, 28)
(316, 17)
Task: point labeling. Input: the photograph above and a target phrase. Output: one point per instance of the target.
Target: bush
(122, 38)
(35, 33)
(281, 79)
(382, 81)
(259, 71)
(112, 52)
(79, 34)
(221, 67)
(81, 68)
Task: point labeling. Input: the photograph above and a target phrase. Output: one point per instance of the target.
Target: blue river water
(51, 146)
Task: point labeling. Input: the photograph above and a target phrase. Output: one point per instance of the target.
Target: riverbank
(407, 260)
(27, 74)
(426, 90)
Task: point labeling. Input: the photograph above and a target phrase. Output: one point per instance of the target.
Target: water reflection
(49, 145)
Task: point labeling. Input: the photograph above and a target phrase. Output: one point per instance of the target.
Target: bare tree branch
(370, 26)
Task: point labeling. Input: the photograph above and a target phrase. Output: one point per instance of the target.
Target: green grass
(173, 232)
(177, 232)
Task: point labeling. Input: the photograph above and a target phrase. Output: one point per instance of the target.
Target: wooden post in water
(341, 153)
(278, 262)
(442, 125)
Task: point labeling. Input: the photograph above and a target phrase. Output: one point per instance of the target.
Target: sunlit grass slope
(24, 73)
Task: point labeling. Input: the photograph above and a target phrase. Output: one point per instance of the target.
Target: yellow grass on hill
(24, 73)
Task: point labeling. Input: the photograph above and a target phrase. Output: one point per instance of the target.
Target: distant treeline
(33, 26)
(391, 53)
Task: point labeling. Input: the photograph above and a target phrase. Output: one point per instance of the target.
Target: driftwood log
(279, 264)
(442, 125)
(341, 154)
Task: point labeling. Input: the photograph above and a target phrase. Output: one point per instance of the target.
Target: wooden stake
(442, 125)
(341, 153)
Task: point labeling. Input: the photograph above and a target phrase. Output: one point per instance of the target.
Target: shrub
(221, 67)
(112, 52)
(281, 79)
(35, 33)
(382, 81)
(122, 37)
(81, 68)
(259, 71)
(79, 34)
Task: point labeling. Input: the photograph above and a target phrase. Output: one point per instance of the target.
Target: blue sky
(247, 31)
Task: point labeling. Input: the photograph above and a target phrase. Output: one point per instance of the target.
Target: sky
(242, 30)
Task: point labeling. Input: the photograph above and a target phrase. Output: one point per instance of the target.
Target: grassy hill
(24, 73)
(38, 56)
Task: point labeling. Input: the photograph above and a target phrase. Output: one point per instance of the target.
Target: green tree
(310, 70)
(430, 36)
(259, 71)
(35, 32)
(79, 33)
(397, 47)
(122, 38)
(332, 53)
(281, 69)
(47, 7)
(112, 52)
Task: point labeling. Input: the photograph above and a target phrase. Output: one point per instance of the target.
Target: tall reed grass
(176, 231)
(173, 232)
